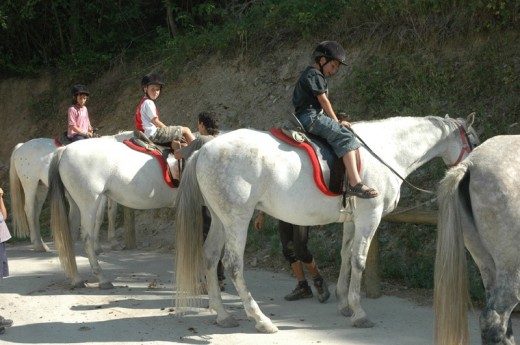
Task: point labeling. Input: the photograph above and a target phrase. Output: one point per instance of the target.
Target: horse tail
(59, 219)
(451, 296)
(188, 239)
(20, 224)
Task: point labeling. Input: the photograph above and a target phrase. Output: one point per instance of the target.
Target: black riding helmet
(331, 50)
(151, 78)
(79, 89)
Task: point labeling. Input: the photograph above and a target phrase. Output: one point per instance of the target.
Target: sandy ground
(139, 310)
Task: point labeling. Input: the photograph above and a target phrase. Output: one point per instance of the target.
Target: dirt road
(139, 310)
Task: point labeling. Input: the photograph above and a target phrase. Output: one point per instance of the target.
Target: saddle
(62, 140)
(331, 167)
(141, 143)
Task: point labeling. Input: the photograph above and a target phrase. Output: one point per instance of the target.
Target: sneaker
(299, 293)
(322, 289)
(221, 285)
(5, 322)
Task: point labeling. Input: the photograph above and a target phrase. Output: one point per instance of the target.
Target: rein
(467, 146)
(386, 164)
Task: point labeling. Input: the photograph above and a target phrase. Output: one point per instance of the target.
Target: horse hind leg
(112, 216)
(33, 209)
(100, 217)
(234, 260)
(495, 328)
(495, 319)
(213, 247)
(88, 227)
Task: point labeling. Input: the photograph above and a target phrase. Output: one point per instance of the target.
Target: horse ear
(470, 119)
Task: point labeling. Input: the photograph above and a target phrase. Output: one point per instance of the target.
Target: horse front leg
(360, 249)
(342, 288)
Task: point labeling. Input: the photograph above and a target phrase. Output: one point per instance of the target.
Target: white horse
(479, 207)
(245, 170)
(90, 170)
(28, 181)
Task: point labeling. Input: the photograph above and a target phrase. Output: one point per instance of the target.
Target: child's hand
(345, 123)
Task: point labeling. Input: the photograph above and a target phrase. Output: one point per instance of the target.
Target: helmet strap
(327, 60)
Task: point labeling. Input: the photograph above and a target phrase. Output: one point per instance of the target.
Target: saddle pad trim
(317, 175)
(57, 142)
(162, 163)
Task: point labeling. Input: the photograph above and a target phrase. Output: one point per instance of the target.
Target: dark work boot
(322, 289)
(302, 290)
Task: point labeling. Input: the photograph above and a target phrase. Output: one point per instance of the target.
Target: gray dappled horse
(479, 208)
(246, 169)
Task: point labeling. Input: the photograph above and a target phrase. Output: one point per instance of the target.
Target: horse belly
(239, 176)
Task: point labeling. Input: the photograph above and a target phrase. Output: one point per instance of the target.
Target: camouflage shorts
(167, 134)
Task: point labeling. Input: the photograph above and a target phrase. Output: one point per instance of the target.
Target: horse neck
(410, 142)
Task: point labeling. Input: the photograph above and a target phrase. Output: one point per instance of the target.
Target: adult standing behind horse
(208, 126)
(147, 116)
(78, 122)
(294, 247)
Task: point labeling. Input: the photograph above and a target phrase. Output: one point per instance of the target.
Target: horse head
(465, 135)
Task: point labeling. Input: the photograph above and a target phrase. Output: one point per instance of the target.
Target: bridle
(467, 144)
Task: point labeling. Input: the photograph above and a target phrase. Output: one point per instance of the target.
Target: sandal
(358, 191)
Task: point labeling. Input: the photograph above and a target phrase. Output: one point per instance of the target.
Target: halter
(467, 144)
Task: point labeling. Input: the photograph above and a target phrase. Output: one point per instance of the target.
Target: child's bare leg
(349, 159)
(187, 134)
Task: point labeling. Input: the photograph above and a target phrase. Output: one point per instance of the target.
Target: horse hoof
(363, 323)
(106, 286)
(228, 322)
(78, 285)
(266, 327)
(346, 311)
(117, 247)
(41, 248)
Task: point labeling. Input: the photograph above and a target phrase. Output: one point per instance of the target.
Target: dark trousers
(294, 242)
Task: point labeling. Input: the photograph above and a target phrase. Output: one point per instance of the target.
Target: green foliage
(437, 82)
(80, 37)
(303, 17)
(407, 253)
